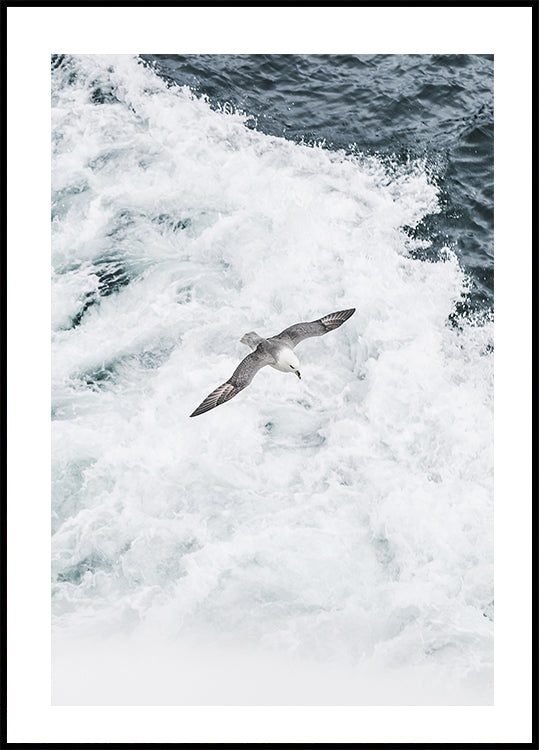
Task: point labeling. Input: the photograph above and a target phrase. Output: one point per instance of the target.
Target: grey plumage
(269, 352)
(252, 339)
(300, 331)
(240, 379)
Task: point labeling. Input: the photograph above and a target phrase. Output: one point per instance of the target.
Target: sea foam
(344, 519)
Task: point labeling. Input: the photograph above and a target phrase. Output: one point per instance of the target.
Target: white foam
(345, 518)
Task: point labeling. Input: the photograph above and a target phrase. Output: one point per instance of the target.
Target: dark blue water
(439, 107)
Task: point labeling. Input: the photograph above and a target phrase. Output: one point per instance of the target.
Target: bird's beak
(298, 374)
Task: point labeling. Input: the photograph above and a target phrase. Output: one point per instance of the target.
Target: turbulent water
(440, 107)
(342, 521)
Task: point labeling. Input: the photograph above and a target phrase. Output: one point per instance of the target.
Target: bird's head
(292, 363)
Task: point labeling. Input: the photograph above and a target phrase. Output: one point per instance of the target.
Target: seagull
(276, 351)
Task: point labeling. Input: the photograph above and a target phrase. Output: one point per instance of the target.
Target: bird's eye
(292, 366)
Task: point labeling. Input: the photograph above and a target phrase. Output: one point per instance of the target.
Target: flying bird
(276, 351)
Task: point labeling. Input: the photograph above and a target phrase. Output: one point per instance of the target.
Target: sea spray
(345, 518)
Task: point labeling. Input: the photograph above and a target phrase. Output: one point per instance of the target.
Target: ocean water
(327, 540)
(436, 107)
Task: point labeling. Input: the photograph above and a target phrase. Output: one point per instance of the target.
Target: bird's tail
(252, 339)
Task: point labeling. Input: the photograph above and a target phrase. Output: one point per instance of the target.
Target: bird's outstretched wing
(296, 333)
(240, 379)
